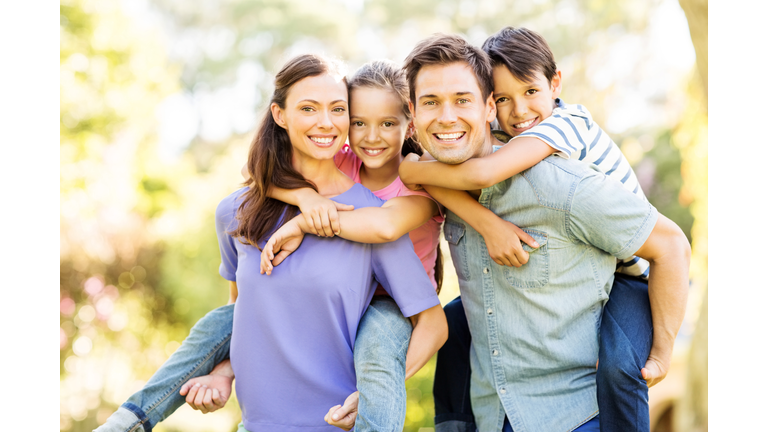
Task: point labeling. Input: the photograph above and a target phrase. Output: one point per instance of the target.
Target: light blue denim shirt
(535, 328)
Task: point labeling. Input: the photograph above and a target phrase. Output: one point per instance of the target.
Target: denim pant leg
(626, 335)
(205, 347)
(381, 345)
(453, 409)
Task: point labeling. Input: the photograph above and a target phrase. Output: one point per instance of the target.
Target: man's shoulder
(557, 170)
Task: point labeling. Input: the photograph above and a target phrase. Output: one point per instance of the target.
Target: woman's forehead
(322, 89)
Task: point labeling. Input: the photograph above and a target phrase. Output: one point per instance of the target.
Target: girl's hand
(407, 165)
(282, 243)
(321, 214)
(504, 247)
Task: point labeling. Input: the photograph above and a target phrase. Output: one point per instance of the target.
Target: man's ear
(412, 109)
(556, 84)
(277, 115)
(491, 103)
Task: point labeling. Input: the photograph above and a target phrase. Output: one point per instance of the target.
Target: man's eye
(463, 101)
(429, 103)
(502, 99)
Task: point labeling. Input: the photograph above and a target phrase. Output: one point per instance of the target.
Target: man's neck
(488, 143)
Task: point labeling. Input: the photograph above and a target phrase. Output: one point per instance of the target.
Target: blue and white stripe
(571, 131)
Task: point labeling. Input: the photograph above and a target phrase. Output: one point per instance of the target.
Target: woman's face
(315, 117)
(378, 126)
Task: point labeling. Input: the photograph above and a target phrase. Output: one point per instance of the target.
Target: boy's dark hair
(442, 49)
(524, 52)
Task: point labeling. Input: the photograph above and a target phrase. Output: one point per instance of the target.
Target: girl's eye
(358, 124)
(502, 99)
(388, 124)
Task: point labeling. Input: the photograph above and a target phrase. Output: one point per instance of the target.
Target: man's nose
(447, 115)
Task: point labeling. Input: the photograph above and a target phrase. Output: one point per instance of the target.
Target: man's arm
(669, 254)
(477, 173)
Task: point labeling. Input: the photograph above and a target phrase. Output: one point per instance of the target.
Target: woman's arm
(478, 173)
(430, 331)
(501, 237)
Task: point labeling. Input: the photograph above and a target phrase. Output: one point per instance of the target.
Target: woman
(293, 331)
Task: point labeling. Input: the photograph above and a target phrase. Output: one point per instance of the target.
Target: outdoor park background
(159, 101)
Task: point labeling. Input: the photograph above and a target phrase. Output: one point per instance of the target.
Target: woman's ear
(277, 115)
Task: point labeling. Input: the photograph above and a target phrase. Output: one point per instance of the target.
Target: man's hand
(321, 214)
(654, 371)
(209, 393)
(282, 243)
(503, 242)
(344, 416)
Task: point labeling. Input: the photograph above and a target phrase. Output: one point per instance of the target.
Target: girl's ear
(411, 130)
(277, 115)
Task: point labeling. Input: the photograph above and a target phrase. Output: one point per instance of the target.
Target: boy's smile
(520, 105)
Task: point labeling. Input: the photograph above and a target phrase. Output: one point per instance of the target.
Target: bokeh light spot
(67, 306)
(87, 313)
(94, 285)
(82, 346)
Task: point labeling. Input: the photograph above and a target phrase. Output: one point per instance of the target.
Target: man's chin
(450, 155)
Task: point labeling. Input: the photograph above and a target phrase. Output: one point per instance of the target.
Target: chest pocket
(535, 273)
(454, 235)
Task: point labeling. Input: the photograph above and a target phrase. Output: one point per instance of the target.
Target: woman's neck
(379, 178)
(324, 174)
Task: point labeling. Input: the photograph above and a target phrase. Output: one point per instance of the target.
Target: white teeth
(523, 124)
(451, 136)
(321, 140)
(373, 152)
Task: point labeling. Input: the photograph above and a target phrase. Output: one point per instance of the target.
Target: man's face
(450, 115)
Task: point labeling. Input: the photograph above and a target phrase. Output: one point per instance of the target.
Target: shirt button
(503, 390)
(495, 352)
(485, 270)
(490, 311)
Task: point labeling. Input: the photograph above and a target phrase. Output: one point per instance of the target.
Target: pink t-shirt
(424, 238)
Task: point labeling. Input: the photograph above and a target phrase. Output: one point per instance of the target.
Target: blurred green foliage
(139, 256)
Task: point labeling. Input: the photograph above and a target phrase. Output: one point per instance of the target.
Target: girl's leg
(453, 411)
(626, 335)
(380, 349)
(205, 347)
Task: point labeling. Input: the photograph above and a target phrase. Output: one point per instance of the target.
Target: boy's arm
(478, 173)
(501, 237)
(669, 254)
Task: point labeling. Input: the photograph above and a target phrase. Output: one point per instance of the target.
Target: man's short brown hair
(524, 52)
(442, 49)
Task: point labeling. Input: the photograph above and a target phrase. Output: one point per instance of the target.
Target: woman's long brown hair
(385, 75)
(270, 158)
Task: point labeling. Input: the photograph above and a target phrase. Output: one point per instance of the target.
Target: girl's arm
(430, 331)
(478, 173)
(501, 237)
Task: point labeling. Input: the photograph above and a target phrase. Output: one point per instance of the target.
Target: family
(572, 285)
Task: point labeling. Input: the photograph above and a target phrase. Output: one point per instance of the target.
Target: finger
(185, 388)
(279, 258)
(326, 225)
(190, 399)
(217, 399)
(342, 412)
(330, 412)
(335, 224)
(343, 207)
(208, 400)
(200, 396)
(310, 223)
(526, 238)
(318, 221)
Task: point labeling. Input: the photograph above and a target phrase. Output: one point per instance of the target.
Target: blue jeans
(593, 425)
(626, 334)
(380, 348)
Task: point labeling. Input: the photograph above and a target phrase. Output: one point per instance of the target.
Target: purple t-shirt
(294, 331)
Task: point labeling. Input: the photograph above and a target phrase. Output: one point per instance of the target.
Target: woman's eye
(339, 109)
(307, 109)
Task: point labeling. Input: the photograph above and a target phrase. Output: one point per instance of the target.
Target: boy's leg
(381, 346)
(205, 347)
(453, 411)
(626, 335)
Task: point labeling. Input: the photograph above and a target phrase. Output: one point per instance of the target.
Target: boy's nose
(520, 110)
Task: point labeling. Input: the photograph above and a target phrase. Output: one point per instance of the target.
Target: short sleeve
(567, 130)
(347, 162)
(606, 215)
(404, 191)
(225, 222)
(401, 273)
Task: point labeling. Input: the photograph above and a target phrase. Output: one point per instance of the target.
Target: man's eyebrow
(461, 93)
(318, 103)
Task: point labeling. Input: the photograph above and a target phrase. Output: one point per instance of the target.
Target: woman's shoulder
(227, 207)
(359, 196)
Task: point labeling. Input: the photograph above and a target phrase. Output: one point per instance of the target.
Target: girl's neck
(324, 174)
(379, 178)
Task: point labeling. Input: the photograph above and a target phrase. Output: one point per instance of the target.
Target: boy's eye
(502, 99)
(531, 92)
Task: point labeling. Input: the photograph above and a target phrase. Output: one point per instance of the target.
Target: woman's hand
(503, 242)
(344, 416)
(321, 214)
(282, 243)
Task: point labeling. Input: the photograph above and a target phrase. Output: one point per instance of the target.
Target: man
(535, 328)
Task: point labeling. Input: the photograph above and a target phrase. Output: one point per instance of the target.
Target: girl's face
(315, 117)
(378, 126)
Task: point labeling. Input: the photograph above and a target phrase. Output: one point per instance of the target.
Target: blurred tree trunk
(691, 414)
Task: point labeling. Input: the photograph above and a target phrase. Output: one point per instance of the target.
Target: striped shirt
(573, 133)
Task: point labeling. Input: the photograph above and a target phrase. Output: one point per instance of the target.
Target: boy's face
(450, 115)
(519, 105)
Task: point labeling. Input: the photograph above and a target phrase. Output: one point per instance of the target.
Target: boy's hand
(321, 214)
(503, 241)
(654, 371)
(282, 243)
(344, 416)
(209, 393)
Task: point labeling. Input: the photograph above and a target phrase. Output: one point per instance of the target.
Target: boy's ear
(277, 115)
(557, 84)
(491, 103)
